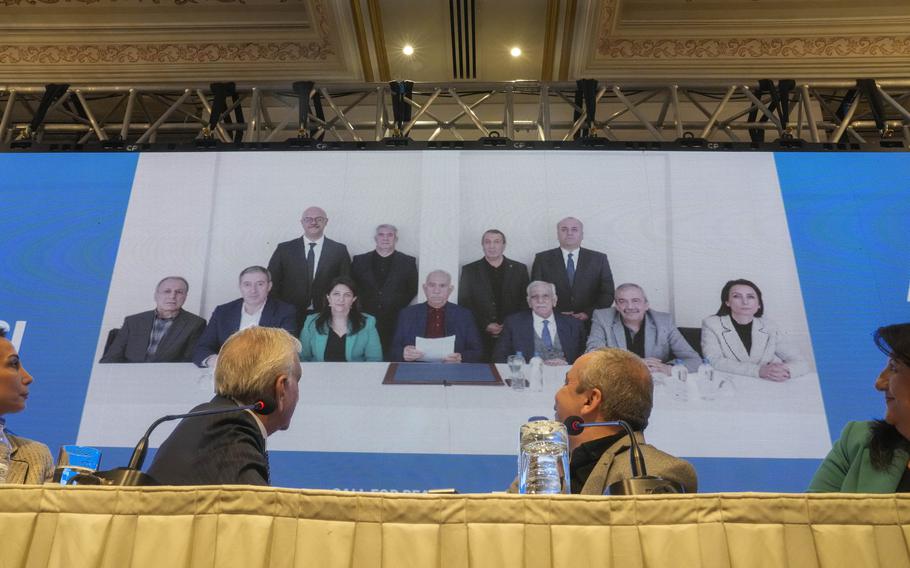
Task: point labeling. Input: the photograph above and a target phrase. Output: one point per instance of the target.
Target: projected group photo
(683, 259)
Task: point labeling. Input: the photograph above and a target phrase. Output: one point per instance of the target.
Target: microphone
(132, 474)
(640, 483)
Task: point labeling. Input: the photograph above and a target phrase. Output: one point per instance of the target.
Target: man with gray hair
(557, 338)
(634, 326)
(435, 318)
(607, 385)
(254, 364)
(167, 334)
(386, 282)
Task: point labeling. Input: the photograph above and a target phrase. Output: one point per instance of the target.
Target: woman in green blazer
(339, 331)
(872, 457)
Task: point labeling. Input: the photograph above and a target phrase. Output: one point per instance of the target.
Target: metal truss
(864, 113)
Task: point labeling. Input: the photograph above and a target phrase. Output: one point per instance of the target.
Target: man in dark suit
(166, 334)
(254, 307)
(582, 277)
(437, 317)
(386, 282)
(255, 364)
(492, 288)
(558, 339)
(302, 268)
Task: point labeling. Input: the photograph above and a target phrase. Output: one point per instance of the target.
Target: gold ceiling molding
(747, 48)
(612, 47)
(288, 40)
(123, 2)
(125, 54)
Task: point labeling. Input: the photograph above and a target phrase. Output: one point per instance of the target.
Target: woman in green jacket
(339, 331)
(872, 457)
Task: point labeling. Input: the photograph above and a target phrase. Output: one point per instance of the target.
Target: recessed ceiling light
(515, 51)
(408, 50)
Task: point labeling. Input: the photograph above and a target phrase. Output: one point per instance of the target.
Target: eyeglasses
(318, 220)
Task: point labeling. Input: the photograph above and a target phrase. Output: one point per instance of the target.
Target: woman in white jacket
(739, 340)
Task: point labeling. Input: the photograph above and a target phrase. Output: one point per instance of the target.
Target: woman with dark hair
(873, 456)
(739, 340)
(340, 332)
(29, 461)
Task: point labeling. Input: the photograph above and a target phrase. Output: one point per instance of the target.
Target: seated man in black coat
(167, 334)
(257, 363)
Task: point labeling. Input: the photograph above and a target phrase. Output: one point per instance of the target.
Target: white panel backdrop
(679, 224)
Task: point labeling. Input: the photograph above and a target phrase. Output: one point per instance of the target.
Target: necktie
(570, 269)
(545, 335)
(311, 262)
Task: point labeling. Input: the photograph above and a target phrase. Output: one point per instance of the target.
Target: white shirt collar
(565, 256)
(307, 241)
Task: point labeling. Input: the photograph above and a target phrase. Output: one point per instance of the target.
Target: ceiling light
(515, 51)
(408, 50)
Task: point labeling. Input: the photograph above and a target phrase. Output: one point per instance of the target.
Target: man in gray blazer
(634, 326)
(167, 334)
(613, 384)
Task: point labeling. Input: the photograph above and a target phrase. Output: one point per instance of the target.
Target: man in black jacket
(386, 282)
(492, 288)
(257, 363)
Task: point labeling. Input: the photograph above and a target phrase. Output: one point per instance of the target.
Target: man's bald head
(314, 220)
(570, 232)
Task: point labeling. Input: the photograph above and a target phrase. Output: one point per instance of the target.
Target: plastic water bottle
(543, 458)
(708, 384)
(516, 376)
(535, 372)
(6, 451)
(679, 375)
(705, 370)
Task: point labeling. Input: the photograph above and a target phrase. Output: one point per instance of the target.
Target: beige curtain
(202, 527)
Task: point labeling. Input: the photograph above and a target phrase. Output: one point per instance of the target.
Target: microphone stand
(132, 474)
(640, 483)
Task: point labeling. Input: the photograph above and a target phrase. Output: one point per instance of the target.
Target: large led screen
(89, 236)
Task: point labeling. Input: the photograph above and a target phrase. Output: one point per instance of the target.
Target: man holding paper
(444, 331)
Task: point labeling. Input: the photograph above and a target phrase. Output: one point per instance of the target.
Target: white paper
(435, 349)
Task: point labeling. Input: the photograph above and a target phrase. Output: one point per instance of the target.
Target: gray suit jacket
(176, 346)
(662, 339)
(614, 466)
(721, 345)
(30, 463)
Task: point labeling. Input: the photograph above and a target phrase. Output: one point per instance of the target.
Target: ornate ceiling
(279, 41)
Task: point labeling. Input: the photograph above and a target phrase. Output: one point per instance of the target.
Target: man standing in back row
(582, 276)
(302, 268)
(492, 288)
(386, 281)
